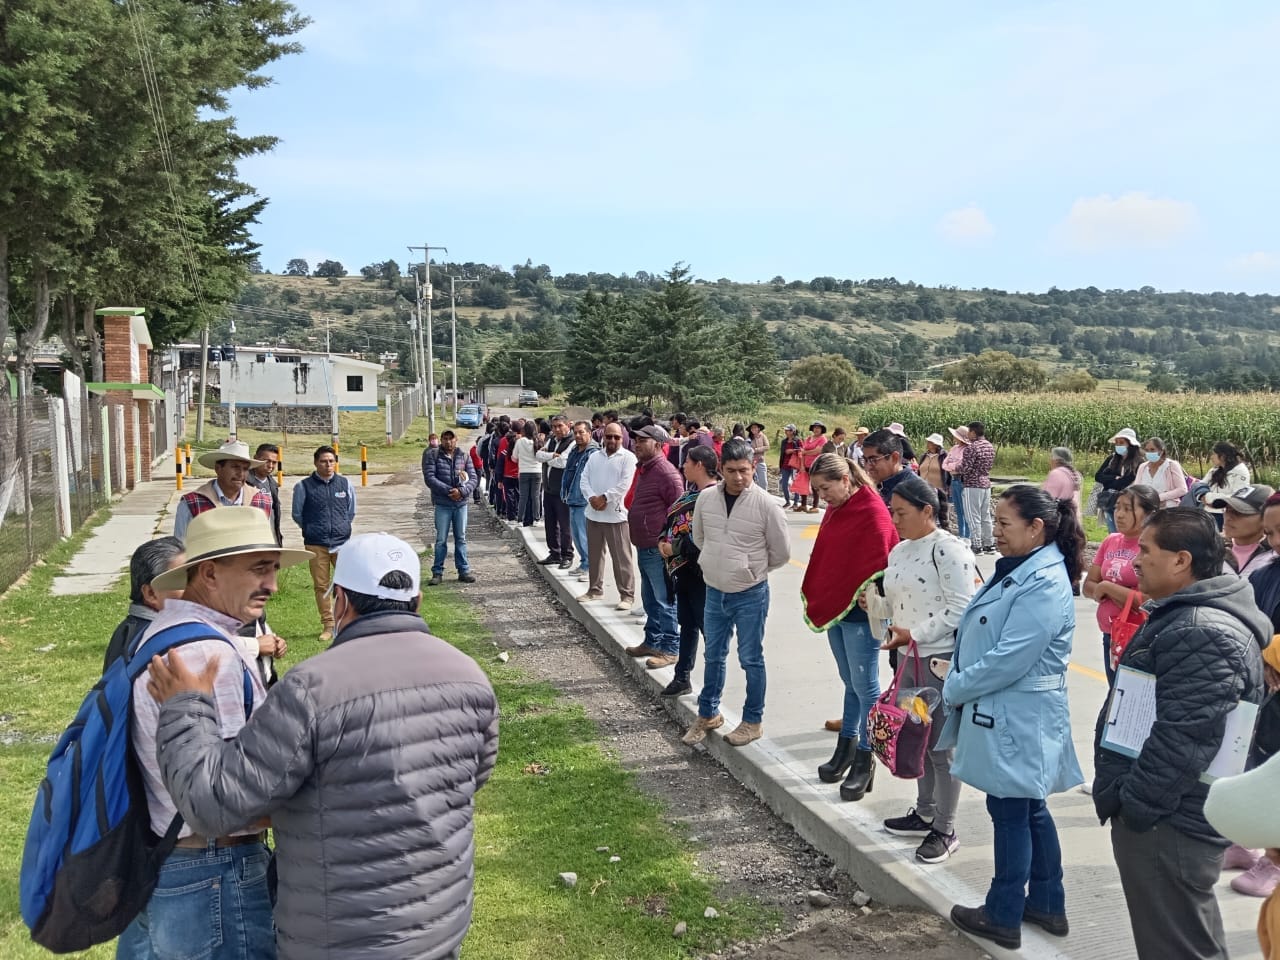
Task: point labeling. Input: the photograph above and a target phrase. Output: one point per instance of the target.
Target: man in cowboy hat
(366, 757)
(231, 464)
(229, 573)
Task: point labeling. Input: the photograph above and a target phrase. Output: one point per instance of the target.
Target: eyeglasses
(871, 461)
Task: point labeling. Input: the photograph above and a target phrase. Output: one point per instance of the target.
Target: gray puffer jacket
(367, 758)
(1204, 646)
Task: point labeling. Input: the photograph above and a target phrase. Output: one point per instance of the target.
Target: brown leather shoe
(643, 650)
(698, 732)
(744, 733)
(835, 726)
(661, 660)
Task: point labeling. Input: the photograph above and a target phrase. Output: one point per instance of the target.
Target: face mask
(1122, 449)
(1153, 456)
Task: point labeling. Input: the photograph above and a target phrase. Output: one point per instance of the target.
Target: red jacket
(657, 486)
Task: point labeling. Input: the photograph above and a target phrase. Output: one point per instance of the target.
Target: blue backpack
(91, 861)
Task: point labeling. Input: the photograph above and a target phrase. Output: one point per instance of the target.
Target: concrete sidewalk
(804, 690)
(148, 511)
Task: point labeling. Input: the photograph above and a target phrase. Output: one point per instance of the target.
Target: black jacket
(271, 489)
(1204, 646)
(1115, 473)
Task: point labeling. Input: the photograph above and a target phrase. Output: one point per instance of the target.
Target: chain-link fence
(50, 481)
(402, 407)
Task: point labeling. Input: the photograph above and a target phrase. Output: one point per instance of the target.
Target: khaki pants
(322, 563)
(614, 539)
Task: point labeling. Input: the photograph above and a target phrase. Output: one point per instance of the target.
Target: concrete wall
(251, 383)
(284, 418)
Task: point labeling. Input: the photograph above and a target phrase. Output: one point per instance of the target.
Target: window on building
(355, 384)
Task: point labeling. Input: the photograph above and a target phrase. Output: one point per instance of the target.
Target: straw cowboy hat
(227, 532)
(961, 434)
(237, 450)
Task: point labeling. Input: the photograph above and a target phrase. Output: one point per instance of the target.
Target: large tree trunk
(70, 336)
(89, 324)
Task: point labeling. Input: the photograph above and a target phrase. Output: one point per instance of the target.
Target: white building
(262, 376)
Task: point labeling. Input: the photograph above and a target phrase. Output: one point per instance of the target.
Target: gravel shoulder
(734, 837)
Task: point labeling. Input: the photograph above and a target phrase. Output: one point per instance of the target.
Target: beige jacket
(739, 549)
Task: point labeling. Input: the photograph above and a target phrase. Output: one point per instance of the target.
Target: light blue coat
(1010, 672)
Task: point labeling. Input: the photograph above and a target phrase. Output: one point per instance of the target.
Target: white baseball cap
(365, 559)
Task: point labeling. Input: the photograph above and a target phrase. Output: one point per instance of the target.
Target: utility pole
(453, 333)
(204, 381)
(430, 350)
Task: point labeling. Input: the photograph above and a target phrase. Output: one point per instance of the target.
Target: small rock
(569, 879)
(46, 648)
(602, 849)
(503, 657)
(615, 859)
(711, 913)
(819, 899)
(861, 898)
(866, 911)
(681, 929)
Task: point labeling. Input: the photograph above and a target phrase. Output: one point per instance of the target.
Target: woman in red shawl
(850, 553)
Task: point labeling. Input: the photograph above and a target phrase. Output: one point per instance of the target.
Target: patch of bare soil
(735, 837)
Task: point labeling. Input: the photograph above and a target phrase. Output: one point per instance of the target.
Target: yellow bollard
(280, 471)
(188, 459)
(177, 465)
(337, 466)
(364, 466)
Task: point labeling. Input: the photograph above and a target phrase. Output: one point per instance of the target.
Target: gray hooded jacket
(367, 758)
(1204, 646)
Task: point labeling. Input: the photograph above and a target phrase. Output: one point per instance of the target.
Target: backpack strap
(179, 635)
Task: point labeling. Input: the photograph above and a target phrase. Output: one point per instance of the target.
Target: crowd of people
(887, 573)
(1188, 597)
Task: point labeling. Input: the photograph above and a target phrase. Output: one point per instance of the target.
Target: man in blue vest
(324, 504)
(449, 473)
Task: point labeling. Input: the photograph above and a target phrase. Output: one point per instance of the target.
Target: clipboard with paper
(1131, 712)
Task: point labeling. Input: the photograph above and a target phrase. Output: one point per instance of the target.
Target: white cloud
(1260, 261)
(967, 225)
(1134, 220)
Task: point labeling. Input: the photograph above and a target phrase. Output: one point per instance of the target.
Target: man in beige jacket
(743, 536)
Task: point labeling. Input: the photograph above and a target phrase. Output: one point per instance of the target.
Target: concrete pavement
(804, 690)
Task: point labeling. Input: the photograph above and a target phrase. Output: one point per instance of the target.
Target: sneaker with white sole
(1237, 857)
(912, 825)
(744, 733)
(937, 847)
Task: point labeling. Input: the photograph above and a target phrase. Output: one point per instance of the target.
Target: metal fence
(402, 407)
(43, 440)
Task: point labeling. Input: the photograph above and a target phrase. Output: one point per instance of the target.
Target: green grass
(530, 825)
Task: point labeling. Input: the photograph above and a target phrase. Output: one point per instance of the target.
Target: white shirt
(927, 586)
(525, 458)
(608, 476)
(228, 696)
(1237, 477)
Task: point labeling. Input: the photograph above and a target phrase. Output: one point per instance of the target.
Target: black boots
(835, 768)
(861, 776)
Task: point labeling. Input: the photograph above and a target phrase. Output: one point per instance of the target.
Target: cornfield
(1189, 425)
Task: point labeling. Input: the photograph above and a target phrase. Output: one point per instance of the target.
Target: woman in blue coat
(1009, 720)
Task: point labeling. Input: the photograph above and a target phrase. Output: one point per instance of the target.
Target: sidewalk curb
(845, 832)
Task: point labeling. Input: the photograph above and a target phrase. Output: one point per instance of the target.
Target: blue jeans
(784, 484)
(578, 527)
(530, 491)
(724, 611)
(857, 656)
(1109, 518)
(762, 476)
(957, 504)
(207, 903)
(1028, 869)
(455, 517)
(660, 629)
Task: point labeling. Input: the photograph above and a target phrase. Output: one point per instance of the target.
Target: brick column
(144, 412)
(118, 368)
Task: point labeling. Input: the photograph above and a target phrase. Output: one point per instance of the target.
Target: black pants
(511, 497)
(1168, 879)
(691, 600)
(555, 514)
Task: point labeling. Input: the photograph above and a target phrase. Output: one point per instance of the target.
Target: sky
(1016, 145)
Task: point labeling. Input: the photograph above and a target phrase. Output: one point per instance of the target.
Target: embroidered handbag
(898, 737)
(1125, 626)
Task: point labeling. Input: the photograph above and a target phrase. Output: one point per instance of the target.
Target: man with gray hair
(148, 561)
(555, 512)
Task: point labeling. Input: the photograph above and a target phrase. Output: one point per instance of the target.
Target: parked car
(470, 415)
(528, 398)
